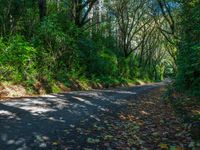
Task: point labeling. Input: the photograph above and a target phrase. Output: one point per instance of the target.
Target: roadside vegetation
(184, 93)
(51, 46)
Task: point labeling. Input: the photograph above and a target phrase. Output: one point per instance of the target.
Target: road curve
(36, 123)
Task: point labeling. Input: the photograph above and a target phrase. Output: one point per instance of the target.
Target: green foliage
(17, 59)
(13, 14)
(104, 64)
(97, 58)
(188, 78)
(55, 49)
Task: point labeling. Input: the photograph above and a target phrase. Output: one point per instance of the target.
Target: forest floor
(134, 118)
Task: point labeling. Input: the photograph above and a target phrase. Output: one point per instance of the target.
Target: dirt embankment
(12, 91)
(8, 90)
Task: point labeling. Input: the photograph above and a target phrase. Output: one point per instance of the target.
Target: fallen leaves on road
(145, 123)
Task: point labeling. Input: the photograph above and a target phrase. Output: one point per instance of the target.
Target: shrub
(57, 48)
(18, 58)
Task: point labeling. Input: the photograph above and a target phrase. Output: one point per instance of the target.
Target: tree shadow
(41, 122)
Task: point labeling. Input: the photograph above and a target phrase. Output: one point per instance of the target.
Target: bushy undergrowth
(188, 78)
(60, 55)
(17, 59)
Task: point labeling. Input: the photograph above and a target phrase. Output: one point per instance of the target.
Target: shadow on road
(42, 122)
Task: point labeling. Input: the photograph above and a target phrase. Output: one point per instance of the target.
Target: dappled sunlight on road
(38, 121)
(84, 101)
(7, 114)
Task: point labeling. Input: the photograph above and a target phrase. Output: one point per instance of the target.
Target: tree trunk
(42, 9)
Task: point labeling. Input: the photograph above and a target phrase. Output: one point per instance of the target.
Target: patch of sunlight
(7, 114)
(144, 112)
(91, 94)
(57, 120)
(26, 102)
(37, 110)
(103, 109)
(60, 104)
(120, 92)
(125, 92)
(121, 101)
(39, 106)
(84, 100)
(95, 117)
(35, 101)
(94, 95)
(89, 103)
(196, 112)
(49, 96)
(3, 112)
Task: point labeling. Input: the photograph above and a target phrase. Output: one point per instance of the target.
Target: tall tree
(80, 10)
(42, 4)
(131, 18)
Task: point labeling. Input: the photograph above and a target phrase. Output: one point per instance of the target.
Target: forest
(58, 43)
(53, 42)
(144, 55)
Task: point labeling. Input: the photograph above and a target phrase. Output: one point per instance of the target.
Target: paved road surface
(37, 123)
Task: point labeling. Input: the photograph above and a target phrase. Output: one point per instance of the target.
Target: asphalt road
(40, 122)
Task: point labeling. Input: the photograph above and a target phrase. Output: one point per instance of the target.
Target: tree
(131, 18)
(165, 13)
(42, 8)
(189, 48)
(80, 10)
